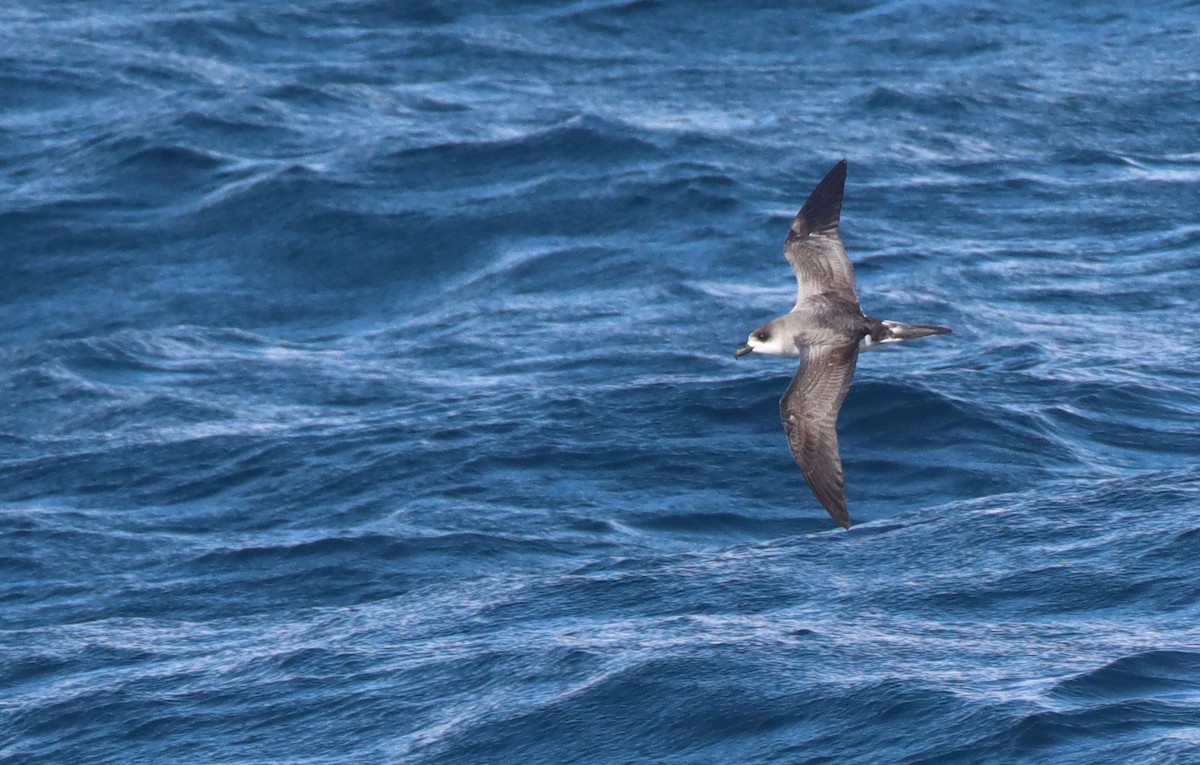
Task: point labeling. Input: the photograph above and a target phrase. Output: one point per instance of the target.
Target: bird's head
(768, 339)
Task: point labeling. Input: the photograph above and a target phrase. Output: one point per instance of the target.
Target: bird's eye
(761, 337)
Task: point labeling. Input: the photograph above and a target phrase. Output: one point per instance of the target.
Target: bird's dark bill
(740, 352)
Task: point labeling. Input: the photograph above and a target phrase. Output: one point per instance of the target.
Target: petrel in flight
(826, 329)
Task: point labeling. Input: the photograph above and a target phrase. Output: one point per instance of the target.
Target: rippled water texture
(368, 390)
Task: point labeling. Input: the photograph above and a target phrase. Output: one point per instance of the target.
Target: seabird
(826, 329)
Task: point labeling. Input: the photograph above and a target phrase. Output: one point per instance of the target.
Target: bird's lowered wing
(809, 409)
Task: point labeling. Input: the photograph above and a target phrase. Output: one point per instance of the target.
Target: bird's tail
(895, 331)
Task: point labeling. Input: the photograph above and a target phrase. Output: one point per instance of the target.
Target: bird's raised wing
(809, 409)
(814, 247)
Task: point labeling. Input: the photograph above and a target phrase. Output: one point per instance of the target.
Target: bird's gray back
(826, 318)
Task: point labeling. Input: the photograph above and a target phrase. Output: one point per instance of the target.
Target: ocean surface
(368, 391)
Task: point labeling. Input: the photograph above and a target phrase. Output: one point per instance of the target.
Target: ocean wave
(1163, 675)
(582, 141)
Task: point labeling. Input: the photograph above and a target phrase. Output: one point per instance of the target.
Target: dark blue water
(368, 390)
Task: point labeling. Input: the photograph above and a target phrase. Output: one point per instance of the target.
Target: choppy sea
(367, 391)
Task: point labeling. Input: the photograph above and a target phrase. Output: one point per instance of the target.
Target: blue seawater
(368, 391)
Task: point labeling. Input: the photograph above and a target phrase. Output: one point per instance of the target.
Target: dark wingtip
(823, 208)
(842, 517)
(837, 509)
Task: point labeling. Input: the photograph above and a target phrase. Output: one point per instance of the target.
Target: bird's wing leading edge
(814, 246)
(809, 409)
